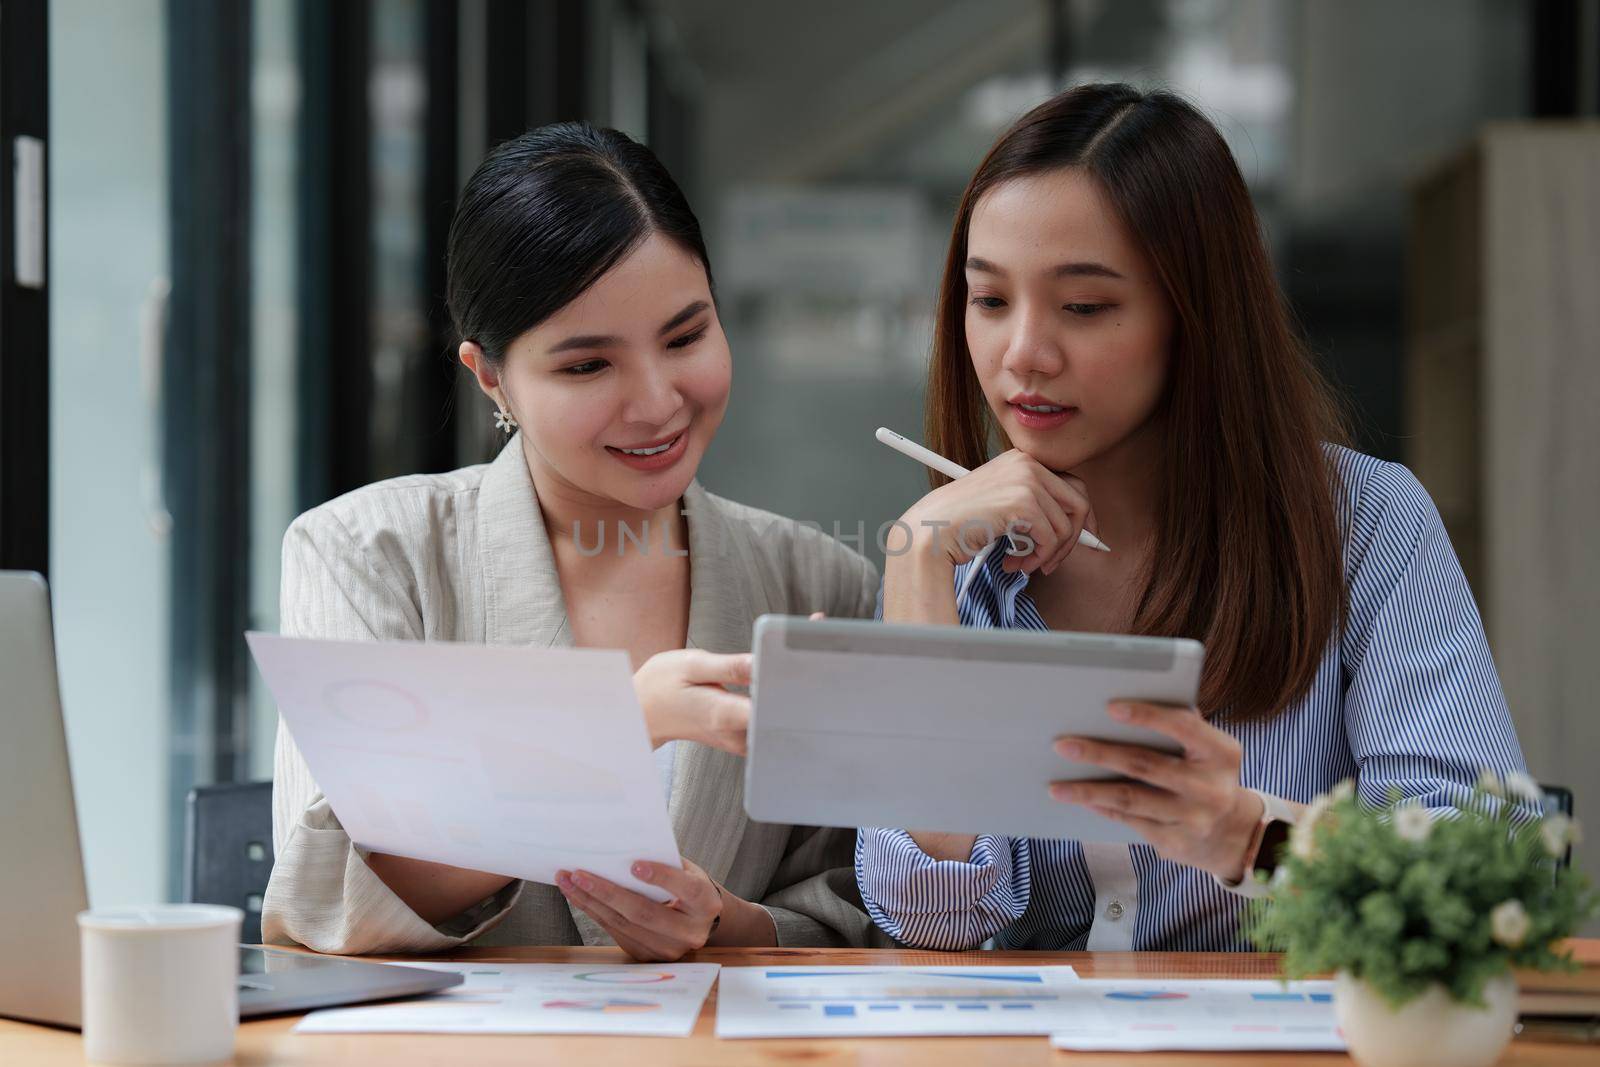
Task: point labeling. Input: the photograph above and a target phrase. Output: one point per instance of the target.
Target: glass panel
(109, 253)
(398, 93)
(275, 105)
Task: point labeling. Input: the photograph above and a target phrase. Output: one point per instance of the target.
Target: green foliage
(1403, 901)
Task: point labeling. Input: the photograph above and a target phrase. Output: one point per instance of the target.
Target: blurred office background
(242, 316)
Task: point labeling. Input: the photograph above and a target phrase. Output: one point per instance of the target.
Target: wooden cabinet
(1503, 417)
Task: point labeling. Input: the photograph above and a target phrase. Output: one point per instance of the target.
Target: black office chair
(1558, 800)
(227, 849)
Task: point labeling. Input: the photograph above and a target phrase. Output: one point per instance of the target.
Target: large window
(110, 521)
(276, 98)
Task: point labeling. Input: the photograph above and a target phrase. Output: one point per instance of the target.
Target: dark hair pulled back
(544, 216)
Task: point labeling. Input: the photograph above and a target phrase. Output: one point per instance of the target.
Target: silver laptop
(41, 879)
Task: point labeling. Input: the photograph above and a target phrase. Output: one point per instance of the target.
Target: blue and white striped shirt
(1406, 698)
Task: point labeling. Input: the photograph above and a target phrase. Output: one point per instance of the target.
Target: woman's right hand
(1011, 494)
(683, 698)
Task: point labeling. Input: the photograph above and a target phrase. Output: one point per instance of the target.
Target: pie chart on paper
(604, 1005)
(624, 976)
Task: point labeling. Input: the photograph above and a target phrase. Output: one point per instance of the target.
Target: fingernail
(563, 881)
(1121, 712)
(583, 881)
(1071, 749)
(1062, 791)
(642, 871)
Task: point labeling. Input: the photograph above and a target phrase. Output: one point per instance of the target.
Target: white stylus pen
(929, 458)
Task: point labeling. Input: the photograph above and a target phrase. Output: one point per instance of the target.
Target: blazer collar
(719, 577)
(522, 597)
(707, 802)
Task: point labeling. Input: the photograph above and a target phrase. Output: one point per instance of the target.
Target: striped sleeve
(1423, 707)
(941, 904)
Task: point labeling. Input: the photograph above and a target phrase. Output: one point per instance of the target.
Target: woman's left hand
(1191, 807)
(643, 928)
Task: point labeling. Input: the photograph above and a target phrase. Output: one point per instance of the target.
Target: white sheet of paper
(1219, 1015)
(890, 1001)
(515, 760)
(538, 998)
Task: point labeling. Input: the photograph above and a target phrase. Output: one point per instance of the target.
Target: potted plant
(1422, 918)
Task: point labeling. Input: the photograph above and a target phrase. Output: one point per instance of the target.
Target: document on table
(1136, 1016)
(538, 998)
(890, 1001)
(515, 760)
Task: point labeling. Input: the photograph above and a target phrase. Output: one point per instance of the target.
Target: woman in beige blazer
(580, 283)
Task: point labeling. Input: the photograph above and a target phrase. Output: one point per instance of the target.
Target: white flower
(1412, 823)
(1557, 832)
(1302, 843)
(1300, 834)
(1344, 790)
(1509, 923)
(1315, 810)
(1520, 785)
(1489, 782)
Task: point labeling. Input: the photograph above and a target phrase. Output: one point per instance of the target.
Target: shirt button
(1114, 910)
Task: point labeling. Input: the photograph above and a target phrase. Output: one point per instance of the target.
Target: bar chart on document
(885, 1001)
(1134, 1016)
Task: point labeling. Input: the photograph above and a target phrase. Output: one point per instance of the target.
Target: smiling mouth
(655, 455)
(655, 451)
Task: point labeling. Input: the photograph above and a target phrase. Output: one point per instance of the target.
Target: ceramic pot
(1429, 1031)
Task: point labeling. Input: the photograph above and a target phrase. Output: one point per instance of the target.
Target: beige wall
(1541, 446)
(1504, 413)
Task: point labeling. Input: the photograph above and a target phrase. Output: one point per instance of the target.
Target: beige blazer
(464, 556)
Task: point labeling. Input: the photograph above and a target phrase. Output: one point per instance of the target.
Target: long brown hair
(1247, 552)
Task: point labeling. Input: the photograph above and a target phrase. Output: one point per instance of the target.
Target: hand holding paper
(520, 761)
(643, 928)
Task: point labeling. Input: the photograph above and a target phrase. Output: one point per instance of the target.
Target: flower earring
(504, 421)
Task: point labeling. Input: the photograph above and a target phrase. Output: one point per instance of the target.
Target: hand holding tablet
(1190, 806)
(858, 723)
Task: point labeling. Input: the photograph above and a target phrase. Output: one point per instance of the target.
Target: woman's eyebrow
(684, 316)
(1080, 269)
(595, 340)
(589, 340)
(1083, 270)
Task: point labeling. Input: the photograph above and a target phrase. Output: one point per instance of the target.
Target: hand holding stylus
(929, 458)
(1013, 494)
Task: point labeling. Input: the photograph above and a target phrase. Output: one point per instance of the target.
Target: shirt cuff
(945, 904)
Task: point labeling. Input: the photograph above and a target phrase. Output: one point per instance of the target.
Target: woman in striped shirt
(1109, 313)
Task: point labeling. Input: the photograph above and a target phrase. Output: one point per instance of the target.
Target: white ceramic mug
(160, 984)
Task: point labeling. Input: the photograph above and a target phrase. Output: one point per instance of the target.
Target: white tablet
(944, 728)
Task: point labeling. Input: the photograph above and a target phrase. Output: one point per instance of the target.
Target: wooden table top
(272, 1042)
